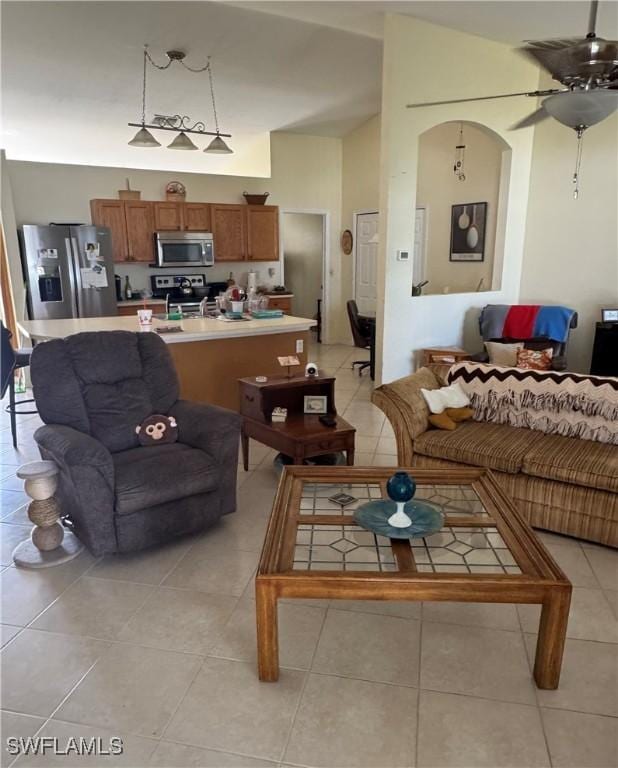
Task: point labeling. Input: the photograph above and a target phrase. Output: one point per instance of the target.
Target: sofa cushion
(146, 477)
(482, 444)
(570, 460)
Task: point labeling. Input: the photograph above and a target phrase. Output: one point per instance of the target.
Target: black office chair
(12, 360)
(361, 333)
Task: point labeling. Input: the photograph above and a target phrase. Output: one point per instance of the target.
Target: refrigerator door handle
(69, 243)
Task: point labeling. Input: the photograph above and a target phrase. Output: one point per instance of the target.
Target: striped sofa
(563, 484)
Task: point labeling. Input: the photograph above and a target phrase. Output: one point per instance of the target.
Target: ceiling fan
(587, 67)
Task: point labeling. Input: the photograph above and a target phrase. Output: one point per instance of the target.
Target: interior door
(419, 263)
(366, 262)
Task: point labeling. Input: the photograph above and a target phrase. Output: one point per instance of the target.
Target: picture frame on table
(468, 230)
(315, 404)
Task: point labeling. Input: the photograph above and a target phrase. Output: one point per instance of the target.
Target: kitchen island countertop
(193, 329)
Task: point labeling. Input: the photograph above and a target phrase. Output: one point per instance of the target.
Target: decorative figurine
(400, 488)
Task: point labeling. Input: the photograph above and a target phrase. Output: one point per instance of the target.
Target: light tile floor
(159, 648)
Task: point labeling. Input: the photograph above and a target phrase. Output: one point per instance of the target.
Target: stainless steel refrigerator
(69, 271)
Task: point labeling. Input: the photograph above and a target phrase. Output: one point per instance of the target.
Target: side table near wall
(49, 544)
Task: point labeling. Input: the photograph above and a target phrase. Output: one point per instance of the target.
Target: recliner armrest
(207, 427)
(86, 484)
(73, 448)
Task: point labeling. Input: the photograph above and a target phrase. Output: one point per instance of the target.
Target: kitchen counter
(210, 355)
(193, 329)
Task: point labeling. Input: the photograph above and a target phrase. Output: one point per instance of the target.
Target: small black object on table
(302, 435)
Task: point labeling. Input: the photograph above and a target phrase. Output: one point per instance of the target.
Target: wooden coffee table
(485, 552)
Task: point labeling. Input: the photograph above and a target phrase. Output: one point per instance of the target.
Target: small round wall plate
(347, 242)
(426, 519)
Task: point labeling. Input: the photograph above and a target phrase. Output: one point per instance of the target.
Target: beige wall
(416, 70)
(438, 189)
(361, 190)
(302, 235)
(571, 249)
(306, 174)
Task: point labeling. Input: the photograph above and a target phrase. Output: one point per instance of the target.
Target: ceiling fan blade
(588, 57)
(532, 119)
(547, 92)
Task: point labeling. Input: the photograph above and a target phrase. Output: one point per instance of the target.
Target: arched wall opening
(461, 211)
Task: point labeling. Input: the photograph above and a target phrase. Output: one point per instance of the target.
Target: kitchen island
(210, 354)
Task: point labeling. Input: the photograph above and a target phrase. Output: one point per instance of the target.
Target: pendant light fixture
(180, 124)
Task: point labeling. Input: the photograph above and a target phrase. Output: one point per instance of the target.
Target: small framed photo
(609, 315)
(316, 404)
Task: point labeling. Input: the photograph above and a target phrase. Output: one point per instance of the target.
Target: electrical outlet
(300, 346)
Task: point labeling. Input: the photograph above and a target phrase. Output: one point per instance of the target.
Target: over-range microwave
(185, 249)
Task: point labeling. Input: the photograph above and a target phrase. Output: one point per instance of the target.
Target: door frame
(355, 216)
(425, 240)
(326, 261)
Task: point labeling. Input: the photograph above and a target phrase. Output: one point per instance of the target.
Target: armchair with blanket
(92, 391)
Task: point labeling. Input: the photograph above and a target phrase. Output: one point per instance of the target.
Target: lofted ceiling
(71, 80)
(71, 71)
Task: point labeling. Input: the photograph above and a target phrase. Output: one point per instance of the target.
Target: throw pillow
(459, 414)
(535, 359)
(503, 354)
(441, 421)
(157, 430)
(439, 400)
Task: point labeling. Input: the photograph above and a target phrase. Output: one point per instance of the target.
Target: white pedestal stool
(49, 544)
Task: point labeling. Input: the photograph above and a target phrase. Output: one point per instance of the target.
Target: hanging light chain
(212, 95)
(578, 160)
(144, 88)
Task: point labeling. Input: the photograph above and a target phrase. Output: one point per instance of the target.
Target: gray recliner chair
(92, 390)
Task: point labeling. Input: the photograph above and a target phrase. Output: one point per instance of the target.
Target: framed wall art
(468, 224)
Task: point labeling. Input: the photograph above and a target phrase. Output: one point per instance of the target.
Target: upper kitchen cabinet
(262, 232)
(140, 229)
(110, 214)
(196, 217)
(229, 232)
(168, 217)
(131, 224)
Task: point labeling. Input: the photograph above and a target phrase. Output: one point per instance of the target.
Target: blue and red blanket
(525, 321)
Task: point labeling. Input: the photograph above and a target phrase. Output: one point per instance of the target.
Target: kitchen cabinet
(229, 232)
(127, 309)
(196, 217)
(140, 230)
(110, 214)
(168, 217)
(262, 232)
(131, 224)
(284, 303)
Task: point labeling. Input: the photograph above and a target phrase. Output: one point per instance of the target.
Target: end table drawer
(328, 445)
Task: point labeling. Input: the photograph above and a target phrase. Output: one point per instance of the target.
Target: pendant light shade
(581, 108)
(218, 147)
(143, 138)
(182, 141)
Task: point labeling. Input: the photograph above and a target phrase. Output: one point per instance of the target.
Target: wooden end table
(302, 435)
(486, 552)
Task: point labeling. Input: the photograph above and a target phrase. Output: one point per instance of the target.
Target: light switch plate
(403, 255)
(299, 346)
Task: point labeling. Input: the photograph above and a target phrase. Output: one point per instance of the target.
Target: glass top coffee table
(485, 552)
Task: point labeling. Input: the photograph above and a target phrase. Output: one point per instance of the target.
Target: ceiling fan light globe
(143, 138)
(182, 141)
(581, 108)
(218, 147)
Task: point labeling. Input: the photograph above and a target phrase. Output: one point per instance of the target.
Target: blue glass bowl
(426, 519)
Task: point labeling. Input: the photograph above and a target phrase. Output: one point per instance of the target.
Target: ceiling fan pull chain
(578, 161)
